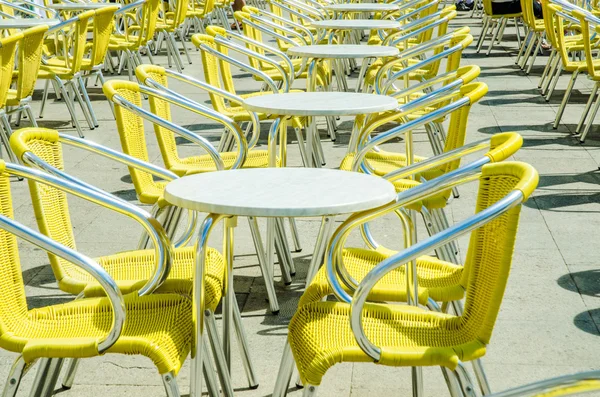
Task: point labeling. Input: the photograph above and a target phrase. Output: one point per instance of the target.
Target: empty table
(26, 23)
(268, 192)
(314, 104)
(336, 52)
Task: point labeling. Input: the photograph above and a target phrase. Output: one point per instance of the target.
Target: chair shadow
(586, 282)
(582, 321)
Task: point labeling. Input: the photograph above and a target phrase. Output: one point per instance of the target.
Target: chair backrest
(557, 30)
(216, 72)
(165, 137)
(149, 16)
(587, 42)
(50, 205)
(13, 303)
(30, 58)
(491, 248)
(8, 46)
(132, 136)
(103, 25)
(181, 7)
(78, 40)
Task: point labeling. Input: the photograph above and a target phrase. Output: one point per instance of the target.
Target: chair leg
(78, 94)
(44, 99)
(494, 36)
(547, 68)
(185, 50)
(586, 111)
(70, 106)
(5, 133)
(209, 374)
(535, 53)
(465, 381)
(565, 99)
(590, 121)
(46, 377)
(486, 25)
(69, 377)
(527, 53)
(14, 378)
(309, 391)
(451, 382)
(260, 252)
(523, 46)
(29, 112)
(170, 384)
(481, 377)
(217, 351)
(285, 247)
(88, 103)
(244, 348)
(295, 235)
(552, 86)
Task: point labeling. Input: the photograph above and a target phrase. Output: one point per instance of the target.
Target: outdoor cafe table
(26, 23)
(271, 193)
(311, 105)
(338, 52)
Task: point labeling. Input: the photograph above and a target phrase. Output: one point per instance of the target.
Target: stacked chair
(365, 303)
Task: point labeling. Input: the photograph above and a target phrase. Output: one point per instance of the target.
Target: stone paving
(550, 318)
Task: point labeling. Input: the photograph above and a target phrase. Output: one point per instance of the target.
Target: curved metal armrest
(130, 7)
(275, 26)
(566, 385)
(289, 22)
(415, 28)
(23, 10)
(306, 8)
(248, 52)
(269, 81)
(162, 244)
(88, 265)
(62, 25)
(145, 114)
(409, 125)
(212, 90)
(511, 200)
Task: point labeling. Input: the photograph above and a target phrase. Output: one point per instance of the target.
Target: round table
(321, 52)
(310, 105)
(268, 192)
(25, 23)
(362, 7)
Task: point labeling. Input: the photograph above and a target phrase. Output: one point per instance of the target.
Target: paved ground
(550, 317)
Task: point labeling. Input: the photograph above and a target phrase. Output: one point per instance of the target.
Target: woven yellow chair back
(78, 41)
(30, 59)
(491, 247)
(587, 42)
(13, 304)
(50, 205)
(149, 18)
(9, 11)
(8, 46)
(216, 73)
(254, 34)
(181, 7)
(558, 32)
(527, 10)
(202, 7)
(131, 133)
(103, 25)
(166, 138)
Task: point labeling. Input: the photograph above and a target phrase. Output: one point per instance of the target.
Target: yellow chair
(533, 39)
(163, 270)
(91, 65)
(253, 158)
(198, 12)
(155, 326)
(68, 72)
(322, 334)
(168, 28)
(29, 59)
(498, 21)
(8, 46)
(136, 37)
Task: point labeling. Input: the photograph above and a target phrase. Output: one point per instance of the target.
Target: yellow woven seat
(320, 337)
(158, 327)
(438, 280)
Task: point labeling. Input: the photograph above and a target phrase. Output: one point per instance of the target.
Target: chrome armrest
(566, 385)
(162, 244)
(276, 26)
(88, 265)
(289, 22)
(130, 6)
(212, 90)
(23, 10)
(145, 114)
(242, 66)
(248, 52)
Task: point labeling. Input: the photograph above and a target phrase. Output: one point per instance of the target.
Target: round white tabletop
(81, 6)
(24, 23)
(362, 7)
(280, 192)
(318, 104)
(342, 51)
(356, 24)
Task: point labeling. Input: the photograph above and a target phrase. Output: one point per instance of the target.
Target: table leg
(198, 304)
(229, 294)
(269, 285)
(309, 142)
(320, 247)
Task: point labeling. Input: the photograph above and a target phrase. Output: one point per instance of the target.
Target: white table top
(280, 192)
(318, 104)
(24, 23)
(81, 6)
(362, 7)
(340, 51)
(356, 24)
